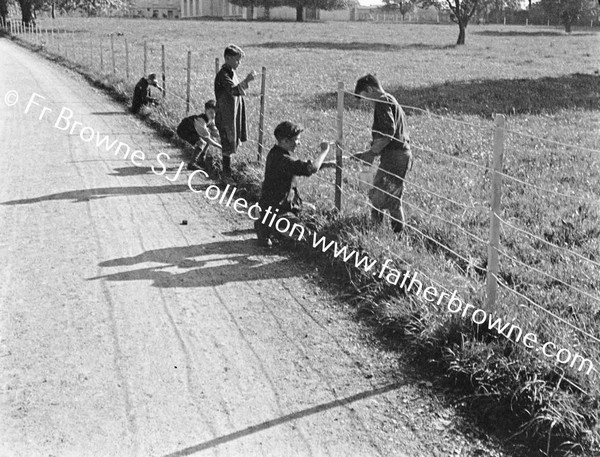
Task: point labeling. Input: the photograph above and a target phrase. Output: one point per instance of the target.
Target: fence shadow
(486, 97)
(351, 46)
(84, 195)
(202, 265)
(283, 419)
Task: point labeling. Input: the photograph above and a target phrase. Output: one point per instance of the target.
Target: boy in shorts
(200, 131)
(391, 143)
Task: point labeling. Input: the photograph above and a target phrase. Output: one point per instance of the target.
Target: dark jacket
(141, 95)
(231, 108)
(281, 175)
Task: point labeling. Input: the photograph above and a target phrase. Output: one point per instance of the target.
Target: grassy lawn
(542, 80)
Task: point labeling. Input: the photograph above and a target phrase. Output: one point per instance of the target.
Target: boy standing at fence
(231, 109)
(200, 131)
(279, 197)
(142, 95)
(392, 144)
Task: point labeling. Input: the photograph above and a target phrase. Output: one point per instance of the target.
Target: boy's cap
(286, 130)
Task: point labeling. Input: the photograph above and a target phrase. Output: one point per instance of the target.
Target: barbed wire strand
(558, 143)
(502, 252)
(414, 108)
(548, 242)
(540, 307)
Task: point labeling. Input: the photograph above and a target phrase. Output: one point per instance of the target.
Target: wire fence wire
(467, 166)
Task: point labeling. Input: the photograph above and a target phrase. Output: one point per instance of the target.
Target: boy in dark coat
(142, 95)
(231, 109)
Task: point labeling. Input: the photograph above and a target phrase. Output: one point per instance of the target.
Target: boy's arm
(203, 132)
(226, 82)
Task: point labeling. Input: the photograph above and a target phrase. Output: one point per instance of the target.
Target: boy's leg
(263, 232)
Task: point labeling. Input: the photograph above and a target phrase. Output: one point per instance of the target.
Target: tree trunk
(568, 26)
(53, 10)
(267, 13)
(462, 31)
(250, 13)
(299, 14)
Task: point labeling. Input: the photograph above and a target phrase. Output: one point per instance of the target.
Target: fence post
(101, 55)
(126, 60)
(261, 119)
(145, 57)
(52, 35)
(189, 83)
(58, 42)
(504, 20)
(526, 21)
(112, 53)
(91, 42)
(216, 65)
(496, 187)
(164, 70)
(339, 145)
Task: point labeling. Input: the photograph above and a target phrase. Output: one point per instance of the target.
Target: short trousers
(388, 184)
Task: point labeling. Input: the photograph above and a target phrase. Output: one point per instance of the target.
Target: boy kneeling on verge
(200, 131)
(279, 197)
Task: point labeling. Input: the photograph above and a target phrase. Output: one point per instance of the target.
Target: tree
(93, 7)
(401, 6)
(462, 12)
(327, 5)
(567, 11)
(4, 10)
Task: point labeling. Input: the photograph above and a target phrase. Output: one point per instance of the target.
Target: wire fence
(472, 227)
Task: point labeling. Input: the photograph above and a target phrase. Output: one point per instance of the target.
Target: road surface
(126, 333)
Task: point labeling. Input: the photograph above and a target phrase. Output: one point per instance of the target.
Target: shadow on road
(85, 195)
(283, 419)
(202, 265)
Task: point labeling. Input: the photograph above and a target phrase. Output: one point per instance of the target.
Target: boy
(141, 93)
(231, 108)
(391, 143)
(200, 132)
(279, 192)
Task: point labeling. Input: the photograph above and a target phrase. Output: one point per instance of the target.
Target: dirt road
(125, 333)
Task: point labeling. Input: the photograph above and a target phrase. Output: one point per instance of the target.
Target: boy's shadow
(202, 265)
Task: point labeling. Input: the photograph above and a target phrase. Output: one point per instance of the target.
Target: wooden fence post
(261, 119)
(126, 59)
(216, 66)
(189, 82)
(494, 241)
(163, 69)
(91, 46)
(339, 146)
(101, 55)
(145, 57)
(112, 53)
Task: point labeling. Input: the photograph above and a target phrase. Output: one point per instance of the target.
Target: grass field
(542, 80)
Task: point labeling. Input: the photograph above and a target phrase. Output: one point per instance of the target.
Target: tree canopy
(462, 12)
(567, 11)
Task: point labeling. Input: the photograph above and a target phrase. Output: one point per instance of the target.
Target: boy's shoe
(265, 242)
(193, 166)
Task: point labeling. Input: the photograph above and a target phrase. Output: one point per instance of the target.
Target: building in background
(157, 9)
